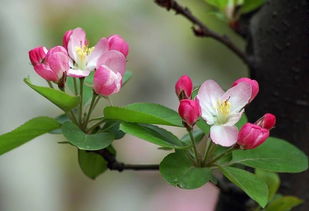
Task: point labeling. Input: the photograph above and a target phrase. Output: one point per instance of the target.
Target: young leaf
(126, 77)
(86, 141)
(62, 100)
(178, 170)
(249, 183)
(91, 163)
(274, 155)
(31, 129)
(271, 179)
(153, 134)
(285, 203)
(147, 113)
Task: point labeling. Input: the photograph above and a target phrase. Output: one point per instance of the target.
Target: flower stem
(50, 84)
(81, 80)
(194, 147)
(75, 86)
(92, 106)
(207, 149)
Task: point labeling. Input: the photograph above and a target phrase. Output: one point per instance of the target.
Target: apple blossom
(50, 65)
(268, 121)
(190, 111)
(85, 59)
(254, 86)
(251, 136)
(183, 87)
(223, 110)
(116, 42)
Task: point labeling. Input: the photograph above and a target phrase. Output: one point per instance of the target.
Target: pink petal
(224, 135)
(77, 39)
(116, 42)
(66, 38)
(99, 49)
(77, 73)
(208, 95)
(238, 96)
(37, 55)
(106, 82)
(45, 72)
(59, 63)
(114, 60)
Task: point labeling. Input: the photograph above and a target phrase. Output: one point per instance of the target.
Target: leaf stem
(221, 155)
(81, 80)
(75, 86)
(207, 149)
(91, 108)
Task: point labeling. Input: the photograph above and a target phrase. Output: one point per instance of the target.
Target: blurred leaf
(153, 134)
(144, 113)
(87, 89)
(61, 119)
(198, 135)
(62, 100)
(91, 163)
(271, 179)
(243, 120)
(85, 141)
(201, 123)
(195, 91)
(178, 170)
(284, 203)
(250, 5)
(274, 155)
(219, 4)
(113, 127)
(249, 183)
(29, 130)
(126, 77)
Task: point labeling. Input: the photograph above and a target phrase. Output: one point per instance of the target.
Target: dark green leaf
(31, 129)
(178, 170)
(201, 123)
(147, 113)
(198, 135)
(112, 126)
(61, 119)
(85, 141)
(62, 100)
(219, 4)
(271, 179)
(284, 203)
(249, 183)
(91, 163)
(153, 134)
(250, 5)
(274, 155)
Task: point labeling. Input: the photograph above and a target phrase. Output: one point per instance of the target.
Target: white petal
(77, 39)
(234, 118)
(99, 49)
(224, 135)
(78, 73)
(238, 96)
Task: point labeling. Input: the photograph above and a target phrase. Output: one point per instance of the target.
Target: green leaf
(153, 134)
(61, 119)
(284, 203)
(198, 135)
(147, 113)
(86, 141)
(178, 170)
(243, 120)
(126, 77)
(87, 88)
(112, 126)
(91, 163)
(31, 129)
(201, 123)
(271, 179)
(195, 91)
(274, 155)
(249, 183)
(250, 5)
(62, 100)
(219, 4)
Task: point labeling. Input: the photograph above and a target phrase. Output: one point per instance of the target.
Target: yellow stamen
(82, 53)
(223, 109)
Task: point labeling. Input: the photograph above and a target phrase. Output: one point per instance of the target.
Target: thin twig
(200, 29)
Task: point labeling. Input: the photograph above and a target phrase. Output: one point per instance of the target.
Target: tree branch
(113, 164)
(200, 29)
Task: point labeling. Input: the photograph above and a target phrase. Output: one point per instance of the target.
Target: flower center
(82, 54)
(223, 111)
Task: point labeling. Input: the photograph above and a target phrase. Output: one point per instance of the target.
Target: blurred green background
(44, 175)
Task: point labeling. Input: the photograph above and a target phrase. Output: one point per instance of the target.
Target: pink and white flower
(85, 59)
(50, 65)
(254, 86)
(251, 136)
(222, 110)
(190, 111)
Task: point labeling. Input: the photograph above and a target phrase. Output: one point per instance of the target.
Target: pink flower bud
(116, 42)
(250, 136)
(37, 55)
(183, 87)
(66, 38)
(189, 110)
(106, 82)
(268, 121)
(254, 86)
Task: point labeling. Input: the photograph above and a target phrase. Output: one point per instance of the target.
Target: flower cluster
(76, 59)
(222, 110)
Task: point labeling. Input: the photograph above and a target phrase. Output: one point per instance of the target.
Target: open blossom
(190, 111)
(251, 136)
(85, 59)
(183, 87)
(222, 110)
(254, 86)
(50, 65)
